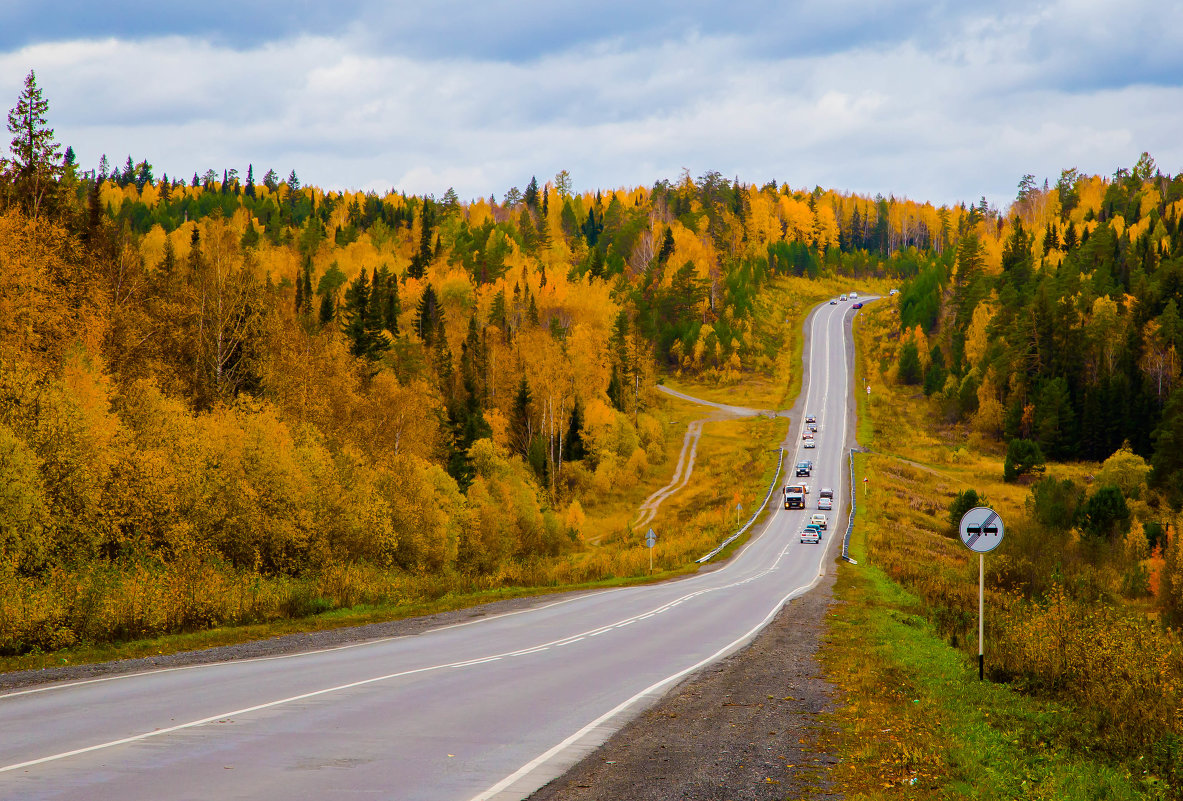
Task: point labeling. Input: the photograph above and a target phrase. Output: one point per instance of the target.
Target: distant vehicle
(803, 468)
(819, 520)
(853, 295)
(808, 462)
(857, 306)
(807, 434)
(810, 537)
(813, 427)
(825, 504)
(834, 302)
(894, 292)
(809, 418)
(809, 443)
(826, 493)
(842, 298)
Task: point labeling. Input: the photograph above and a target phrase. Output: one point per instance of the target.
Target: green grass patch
(916, 723)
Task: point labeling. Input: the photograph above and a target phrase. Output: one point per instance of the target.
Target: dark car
(804, 468)
(858, 305)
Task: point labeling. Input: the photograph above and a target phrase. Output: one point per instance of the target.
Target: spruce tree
(521, 430)
(327, 308)
(249, 191)
(574, 439)
(36, 158)
(427, 315)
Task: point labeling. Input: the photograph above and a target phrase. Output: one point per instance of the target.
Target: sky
(934, 100)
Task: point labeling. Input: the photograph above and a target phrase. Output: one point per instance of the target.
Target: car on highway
(826, 492)
(857, 306)
(807, 434)
(810, 418)
(810, 535)
(854, 296)
(842, 298)
(894, 292)
(834, 302)
(812, 427)
(809, 443)
(819, 520)
(825, 503)
(804, 468)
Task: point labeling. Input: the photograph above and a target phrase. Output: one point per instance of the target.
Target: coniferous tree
(392, 306)
(299, 292)
(574, 439)
(36, 157)
(328, 309)
(427, 315)
(249, 190)
(521, 429)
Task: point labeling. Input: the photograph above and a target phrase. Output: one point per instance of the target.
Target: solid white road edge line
(743, 640)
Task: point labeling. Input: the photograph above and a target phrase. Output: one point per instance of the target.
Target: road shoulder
(747, 727)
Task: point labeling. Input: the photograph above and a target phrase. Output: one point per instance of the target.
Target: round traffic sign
(981, 529)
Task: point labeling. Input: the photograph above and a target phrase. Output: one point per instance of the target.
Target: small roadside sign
(981, 529)
(650, 538)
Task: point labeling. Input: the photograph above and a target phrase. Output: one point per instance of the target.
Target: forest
(226, 399)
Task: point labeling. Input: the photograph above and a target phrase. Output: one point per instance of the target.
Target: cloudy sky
(933, 100)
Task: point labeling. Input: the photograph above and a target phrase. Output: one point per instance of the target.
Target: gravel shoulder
(746, 728)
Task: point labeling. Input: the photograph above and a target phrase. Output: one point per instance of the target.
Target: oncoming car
(804, 468)
(809, 443)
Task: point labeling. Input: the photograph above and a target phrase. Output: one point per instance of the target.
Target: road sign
(650, 538)
(981, 529)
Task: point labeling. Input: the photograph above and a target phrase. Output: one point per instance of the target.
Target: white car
(809, 443)
(818, 520)
(810, 536)
(842, 298)
(825, 503)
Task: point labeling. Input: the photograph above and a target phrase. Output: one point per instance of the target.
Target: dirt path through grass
(685, 464)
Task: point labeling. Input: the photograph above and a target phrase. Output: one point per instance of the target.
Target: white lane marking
(652, 688)
(252, 660)
(238, 712)
(464, 663)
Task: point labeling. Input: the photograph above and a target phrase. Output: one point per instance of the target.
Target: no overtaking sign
(981, 529)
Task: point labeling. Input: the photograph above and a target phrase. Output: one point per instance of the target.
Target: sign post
(981, 530)
(650, 541)
(738, 509)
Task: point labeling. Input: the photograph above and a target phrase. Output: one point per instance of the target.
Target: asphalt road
(489, 709)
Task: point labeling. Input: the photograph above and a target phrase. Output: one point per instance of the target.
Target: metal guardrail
(850, 518)
(780, 460)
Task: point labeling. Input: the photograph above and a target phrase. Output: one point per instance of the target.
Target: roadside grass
(1083, 698)
(916, 723)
